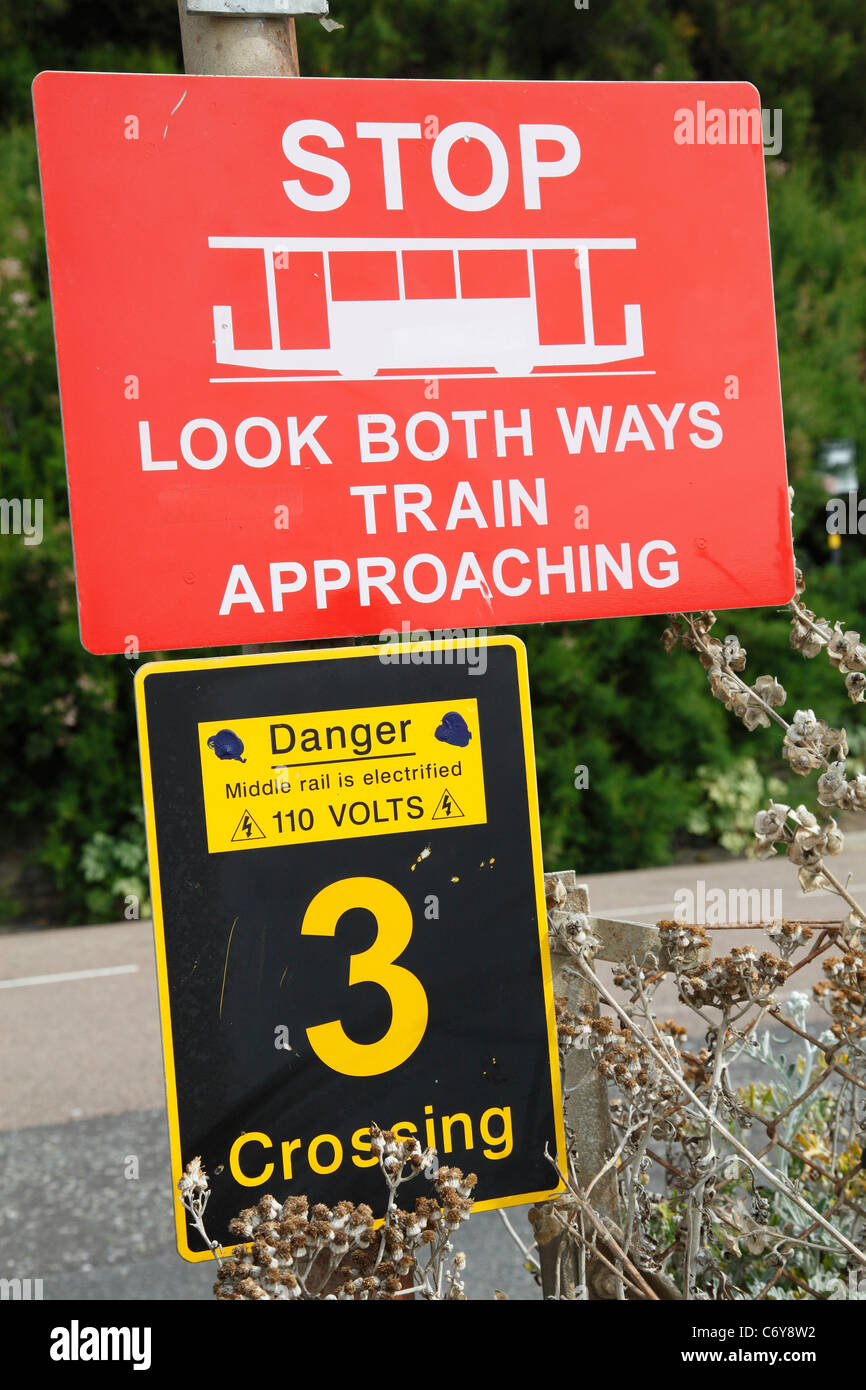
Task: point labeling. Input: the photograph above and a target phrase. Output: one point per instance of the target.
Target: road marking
(68, 975)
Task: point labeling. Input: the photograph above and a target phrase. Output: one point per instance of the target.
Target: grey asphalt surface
(82, 1090)
(72, 1218)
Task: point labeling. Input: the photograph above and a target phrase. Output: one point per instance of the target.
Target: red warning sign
(337, 356)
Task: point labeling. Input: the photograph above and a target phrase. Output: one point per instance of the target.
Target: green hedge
(605, 695)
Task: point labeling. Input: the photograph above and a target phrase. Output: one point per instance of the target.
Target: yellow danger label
(294, 778)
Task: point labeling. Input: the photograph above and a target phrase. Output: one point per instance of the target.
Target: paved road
(82, 1090)
(70, 1216)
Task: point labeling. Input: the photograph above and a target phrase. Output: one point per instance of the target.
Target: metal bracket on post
(256, 8)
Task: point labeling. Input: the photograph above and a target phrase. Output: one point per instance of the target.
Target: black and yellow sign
(349, 916)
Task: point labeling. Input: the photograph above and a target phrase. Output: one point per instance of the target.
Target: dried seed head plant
(726, 1190)
(293, 1251)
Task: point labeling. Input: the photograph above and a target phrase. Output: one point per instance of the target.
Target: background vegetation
(604, 694)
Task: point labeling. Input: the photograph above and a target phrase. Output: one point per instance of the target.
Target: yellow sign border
(342, 654)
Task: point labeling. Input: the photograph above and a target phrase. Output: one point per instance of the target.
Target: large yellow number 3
(330, 1041)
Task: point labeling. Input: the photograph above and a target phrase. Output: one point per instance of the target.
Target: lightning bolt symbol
(247, 826)
(446, 804)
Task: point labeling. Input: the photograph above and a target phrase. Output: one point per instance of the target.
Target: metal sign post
(242, 40)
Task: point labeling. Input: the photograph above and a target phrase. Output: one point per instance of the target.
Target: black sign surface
(349, 917)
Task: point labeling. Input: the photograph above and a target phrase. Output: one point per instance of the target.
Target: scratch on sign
(170, 114)
(226, 965)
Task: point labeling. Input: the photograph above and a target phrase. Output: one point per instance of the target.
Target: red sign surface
(344, 357)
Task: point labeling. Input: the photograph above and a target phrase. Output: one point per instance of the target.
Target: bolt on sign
(335, 351)
(350, 921)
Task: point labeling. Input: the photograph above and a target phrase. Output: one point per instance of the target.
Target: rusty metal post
(238, 45)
